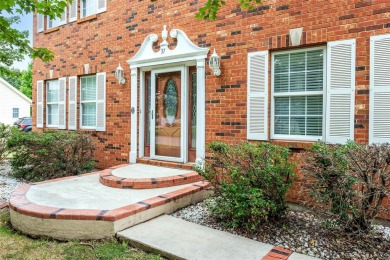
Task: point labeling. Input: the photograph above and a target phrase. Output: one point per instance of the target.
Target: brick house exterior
(337, 42)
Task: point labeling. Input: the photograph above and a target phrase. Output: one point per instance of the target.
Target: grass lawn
(16, 246)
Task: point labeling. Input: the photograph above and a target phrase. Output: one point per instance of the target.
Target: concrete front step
(178, 239)
(144, 176)
(79, 207)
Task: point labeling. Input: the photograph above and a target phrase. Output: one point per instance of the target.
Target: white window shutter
(62, 103)
(340, 96)
(379, 122)
(101, 101)
(102, 6)
(73, 11)
(257, 96)
(40, 104)
(40, 22)
(72, 110)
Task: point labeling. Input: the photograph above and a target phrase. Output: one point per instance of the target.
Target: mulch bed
(303, 232)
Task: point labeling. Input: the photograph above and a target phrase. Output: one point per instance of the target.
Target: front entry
(169, 85)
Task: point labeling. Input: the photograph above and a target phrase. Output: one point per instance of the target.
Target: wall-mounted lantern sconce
(120, 75)
(215, 63)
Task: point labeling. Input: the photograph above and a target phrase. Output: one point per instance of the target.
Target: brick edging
(20, 204)
(278, 253)
(108, 179)
(3, 204)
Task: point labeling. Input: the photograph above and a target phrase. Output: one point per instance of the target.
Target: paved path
(179, 239)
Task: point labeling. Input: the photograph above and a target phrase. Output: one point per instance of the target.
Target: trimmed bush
(250, 182)
(348, 182)
(51, 154)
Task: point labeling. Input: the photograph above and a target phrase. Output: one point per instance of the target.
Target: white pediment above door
(185, 50)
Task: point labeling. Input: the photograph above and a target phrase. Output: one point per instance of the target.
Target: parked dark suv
(24, 124)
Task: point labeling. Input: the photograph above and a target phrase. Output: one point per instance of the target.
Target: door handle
(152, 113)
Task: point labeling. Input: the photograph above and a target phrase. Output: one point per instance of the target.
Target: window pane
(88, 114)
(89, 7)
(88, 88)
(298, 105)
(297, 125)
(314, 80)
(281, 63)
(281, 82)
(314, 105)
(297, 61)
(297, 81)
(315, 60)
(52, 91)
(281, 125)
(282, 105)
(194, 110)
(52, 114)
(314, 126)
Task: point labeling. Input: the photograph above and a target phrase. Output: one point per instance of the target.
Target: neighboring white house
(13, 103)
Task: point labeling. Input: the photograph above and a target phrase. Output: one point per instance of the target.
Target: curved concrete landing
(79, 207)
(144, 176)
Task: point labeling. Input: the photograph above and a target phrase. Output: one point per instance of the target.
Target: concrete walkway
(178, 239)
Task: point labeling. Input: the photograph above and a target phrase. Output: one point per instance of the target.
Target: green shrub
(250, 182)
(349, 182)
(5, 133)
(51, 154)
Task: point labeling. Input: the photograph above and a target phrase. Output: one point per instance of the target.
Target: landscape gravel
(7, 183)
(305, 233)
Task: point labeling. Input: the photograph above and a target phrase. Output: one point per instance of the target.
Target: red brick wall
(116, 35)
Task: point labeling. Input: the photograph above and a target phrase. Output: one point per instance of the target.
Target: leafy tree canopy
(21, 80)
(14, 45)
(211, 7)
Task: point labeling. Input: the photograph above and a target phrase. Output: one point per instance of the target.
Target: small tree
(349, 182)
(250, 182)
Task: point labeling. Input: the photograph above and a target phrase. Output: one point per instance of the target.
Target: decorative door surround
(185, 53)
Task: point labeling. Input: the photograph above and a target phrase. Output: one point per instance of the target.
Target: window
(15, 112)
(88, 7)
(298, 84)
(57, 21)
(88, 102)
(52, 93)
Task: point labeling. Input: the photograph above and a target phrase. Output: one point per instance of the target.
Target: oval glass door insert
(170, 102)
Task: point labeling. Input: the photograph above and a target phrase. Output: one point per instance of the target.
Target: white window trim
(84, 102)
(51, 103)
(323, 92)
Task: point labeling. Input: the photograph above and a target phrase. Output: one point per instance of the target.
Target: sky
(25, 24)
